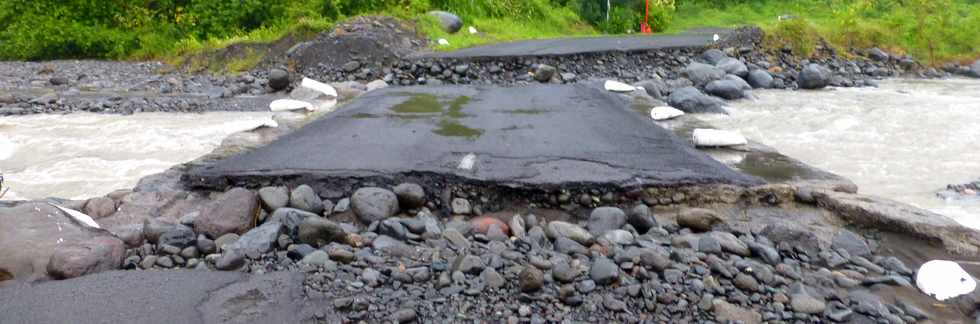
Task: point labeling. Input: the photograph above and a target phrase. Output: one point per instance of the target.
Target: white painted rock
(944, 280)
(290, 105)
(321, 87)
(617, 86)
(716, 137)
(472, 30)
(78, 216)
(443, 42)
(665, 113)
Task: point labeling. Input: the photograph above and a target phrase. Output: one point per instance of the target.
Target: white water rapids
(905, 140)
(87, 155)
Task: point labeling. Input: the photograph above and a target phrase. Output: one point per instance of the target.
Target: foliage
(936, 30)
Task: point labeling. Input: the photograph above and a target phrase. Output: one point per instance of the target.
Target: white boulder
(716, 137)
(665, 113)
(616, 86)
(944, 280)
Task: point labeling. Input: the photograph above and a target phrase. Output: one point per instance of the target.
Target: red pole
(645, 25)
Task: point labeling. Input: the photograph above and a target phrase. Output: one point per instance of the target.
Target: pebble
(530, 279)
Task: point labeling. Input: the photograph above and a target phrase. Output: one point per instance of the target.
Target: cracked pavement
(531, 136)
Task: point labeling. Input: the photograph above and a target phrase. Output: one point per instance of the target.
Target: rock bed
(745, 46)
(383, 254)
(123, 87)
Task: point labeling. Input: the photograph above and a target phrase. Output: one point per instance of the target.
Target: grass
(492, 30)
(935, 31)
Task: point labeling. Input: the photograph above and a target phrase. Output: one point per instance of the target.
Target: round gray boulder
(713, 56)
(449, 21)
(278, 79)
(814, 76)
(974, 70)
(728, 89)
(374, 204)
(759, 79)
(701, 73)
(692, 100)
(733, 66)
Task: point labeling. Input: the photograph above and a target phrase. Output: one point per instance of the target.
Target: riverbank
(404, 246)
(437, 251)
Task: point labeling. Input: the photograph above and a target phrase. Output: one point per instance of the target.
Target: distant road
(579, 45)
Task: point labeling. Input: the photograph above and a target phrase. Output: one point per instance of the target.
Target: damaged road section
(541, 136)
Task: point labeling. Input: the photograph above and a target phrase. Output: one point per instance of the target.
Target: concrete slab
(537, 135)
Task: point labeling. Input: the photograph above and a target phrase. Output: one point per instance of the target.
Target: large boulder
(604, 219)
(278, 79)
(374, 204)
(733, 66)
(759, 79)
(259, 240)
(692, 100)
(290, 218)
(30, 233)
(94, 255)
(974, 70)
(656, 88)
(713, 56)
(728, 89)
(318, 231)
(701, 73)
(449, 21)
(878, 55)
(814, 76)
(233, 212)
(305, 198)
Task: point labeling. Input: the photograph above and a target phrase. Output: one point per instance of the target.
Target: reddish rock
(99, 207)
(233, 212)
(98, 254)
(482, 224)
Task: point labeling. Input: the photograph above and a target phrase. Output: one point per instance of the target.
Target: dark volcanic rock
(691, 100)
(278, 79)
(450, 23)
(728, 89)
(713, 56)
(701, 74)
(759, 79)
(180, 236)
(641, 218)
(814, 76)
(733, 66)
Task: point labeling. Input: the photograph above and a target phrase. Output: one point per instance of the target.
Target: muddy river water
(85, 155)
(905, 140)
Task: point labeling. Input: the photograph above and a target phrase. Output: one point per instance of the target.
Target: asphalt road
(578, 45)
(536, 136)
(165, 297)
